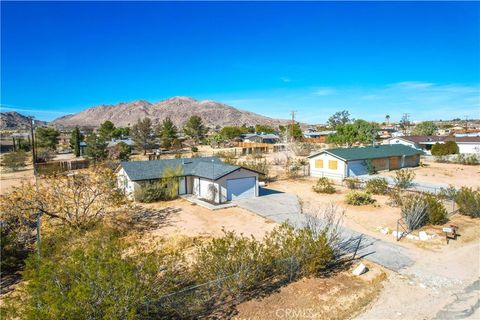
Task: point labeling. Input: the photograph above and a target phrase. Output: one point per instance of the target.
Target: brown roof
(420, 139)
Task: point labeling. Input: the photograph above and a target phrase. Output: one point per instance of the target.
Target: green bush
(370, 167)
(443, 149)
(471, 159)
(164, 189)
(404, 178)
(90, 276)
(377, 186)
(15, 160)
(436, 212)
(352, 183)
(358, 198)
(468, 202)
(324, 185)
(194, 149)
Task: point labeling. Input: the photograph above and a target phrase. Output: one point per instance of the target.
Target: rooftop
(372, 152)
(420, 139)
(205, 167)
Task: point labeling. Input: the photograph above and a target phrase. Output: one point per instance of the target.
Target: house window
(332, 164)
(319, 164)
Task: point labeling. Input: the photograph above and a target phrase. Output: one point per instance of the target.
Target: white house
(425, 143)
(347, 162)
(208, 177)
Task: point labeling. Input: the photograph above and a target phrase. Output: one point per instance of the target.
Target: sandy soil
(8, 179)
(192, 220)
(337, 297)
(446, 173)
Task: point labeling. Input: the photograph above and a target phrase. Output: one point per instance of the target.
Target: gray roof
(206, 167)
(261, 135)
(114, 142)
(379, 151)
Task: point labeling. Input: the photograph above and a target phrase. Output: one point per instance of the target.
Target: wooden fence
(61, 166)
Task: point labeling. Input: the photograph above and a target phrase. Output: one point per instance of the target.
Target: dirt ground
(340, 296)
(446, 173)
(191, 220)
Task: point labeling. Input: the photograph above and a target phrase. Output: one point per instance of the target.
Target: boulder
(360, 269)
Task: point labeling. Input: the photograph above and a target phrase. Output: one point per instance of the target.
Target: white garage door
(241, 188)
(357, 168)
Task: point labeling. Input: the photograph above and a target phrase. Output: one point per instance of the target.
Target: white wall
(401, 141)
(464, 147)
(124, 183)
(339, 173)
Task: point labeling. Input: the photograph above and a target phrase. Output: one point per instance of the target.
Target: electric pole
(35, 174)
(293, 123)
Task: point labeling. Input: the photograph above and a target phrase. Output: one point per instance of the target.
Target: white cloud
(324, 91)
(411, 85)
(286, 79)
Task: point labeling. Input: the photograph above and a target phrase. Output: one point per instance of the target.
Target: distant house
(114, 142)
(425, 143)
(340, 163)
(207, 178)
(317, 134)
(260, 137)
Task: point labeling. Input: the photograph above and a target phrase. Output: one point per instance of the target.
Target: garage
(357, 168)
(241, 188)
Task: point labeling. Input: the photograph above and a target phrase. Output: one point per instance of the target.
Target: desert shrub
(414, 211)
(448, 193)
(451, 147)
(324, 185)
(358, 198)
(436, 212)
(45, 154)
(194, 149)
(377, 186)
(352, 183)
(164, 189)
(302, 149)
(259, 165)
(471, 159)
(370, 168)
(395, 197)
(419, 210)
(15, 160)
(404, 178)
(89, 276)
(468, 202)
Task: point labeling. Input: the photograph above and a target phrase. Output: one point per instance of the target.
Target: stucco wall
(468, 147)
(339, 173)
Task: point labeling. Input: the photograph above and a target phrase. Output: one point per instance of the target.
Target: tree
(264, 128)
(142, 134)
(167, 132)
(451, 147)
(106, 130)
(75, 139)
(360, 131)
(121, 151)
(387, 119)
(404, 123)
(195, 129)
(121, 132)
(15, 160)
(339, 118)
(232, 132)
(75, 201)
(297, 131)
(425, 128)
(47, 137)
(96, 148)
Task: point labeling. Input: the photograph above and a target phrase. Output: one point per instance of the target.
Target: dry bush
(358, 198)
(324, 185)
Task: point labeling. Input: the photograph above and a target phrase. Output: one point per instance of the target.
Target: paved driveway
(285, 207)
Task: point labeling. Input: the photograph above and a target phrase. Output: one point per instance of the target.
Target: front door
(182, 185)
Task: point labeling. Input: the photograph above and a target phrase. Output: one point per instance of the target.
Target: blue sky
(316, 58)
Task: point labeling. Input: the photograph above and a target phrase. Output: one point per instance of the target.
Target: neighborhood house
(347, 162)
(260, 137)
(208, 177)
(425, 143)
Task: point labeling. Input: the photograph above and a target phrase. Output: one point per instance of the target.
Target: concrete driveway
(285, 207)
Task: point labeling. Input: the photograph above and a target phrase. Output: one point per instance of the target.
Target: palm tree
(387, 118)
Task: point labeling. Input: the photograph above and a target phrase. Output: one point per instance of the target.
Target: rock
(397, 234)
(412, 237)
(385, 230)
(360, 269)
(423, 236)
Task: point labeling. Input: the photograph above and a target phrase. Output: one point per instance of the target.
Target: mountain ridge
(178, 108)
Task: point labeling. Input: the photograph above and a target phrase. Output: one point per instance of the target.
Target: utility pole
(406, 122)
(35, 174)
(293, 122)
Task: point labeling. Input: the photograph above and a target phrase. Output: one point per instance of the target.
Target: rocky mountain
(16, 121)
(179, 109)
